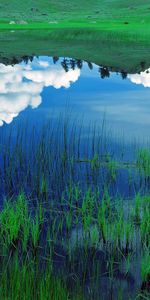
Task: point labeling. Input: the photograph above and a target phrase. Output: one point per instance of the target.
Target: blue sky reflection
(45, 87)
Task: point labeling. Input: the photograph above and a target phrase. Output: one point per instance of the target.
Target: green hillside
(50, 10)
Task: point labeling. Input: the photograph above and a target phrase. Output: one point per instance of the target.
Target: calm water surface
(38, 91)
(41, 89)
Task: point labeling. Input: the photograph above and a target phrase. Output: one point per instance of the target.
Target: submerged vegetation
(68, 229)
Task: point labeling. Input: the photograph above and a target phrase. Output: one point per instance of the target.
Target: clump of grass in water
(145, 226)
(145, 270)
(39, 240)
(14, 221)
(143, 162)
(112, 166)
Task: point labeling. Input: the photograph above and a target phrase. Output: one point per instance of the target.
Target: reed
(35, 240)
(65, 228)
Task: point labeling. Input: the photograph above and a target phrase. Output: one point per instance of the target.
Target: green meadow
(79, 12)
(68, 28)
(110, 16)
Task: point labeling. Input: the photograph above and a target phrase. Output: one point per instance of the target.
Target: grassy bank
(120, 30)
(119, 51)
(103, 15)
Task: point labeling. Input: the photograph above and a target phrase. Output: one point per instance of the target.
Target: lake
(75, 170)
(41, 89)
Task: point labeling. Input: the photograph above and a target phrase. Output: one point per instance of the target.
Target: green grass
(68, 28)
(119, 50)
(103, 15)
(96, 226)
(143, 161)
(65, 227)
(69, 10)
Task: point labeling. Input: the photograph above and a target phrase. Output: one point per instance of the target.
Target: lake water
(41, 89)
(70, 132)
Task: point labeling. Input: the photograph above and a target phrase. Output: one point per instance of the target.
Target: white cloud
(57, 79)
(43, 63)
(142, 78)
(21, 85)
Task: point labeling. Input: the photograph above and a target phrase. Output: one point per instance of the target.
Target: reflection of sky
(49, 88)
(21, 85)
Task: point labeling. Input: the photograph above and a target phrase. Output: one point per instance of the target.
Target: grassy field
(66, 28)
(101, 10)
(106, 15)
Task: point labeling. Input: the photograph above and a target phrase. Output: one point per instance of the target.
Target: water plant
(63, 222)
(143, 162)
(34, 238)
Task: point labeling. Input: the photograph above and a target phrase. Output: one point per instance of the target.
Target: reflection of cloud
(21, 85)
(142, 78)
(57, 79)
(12, 104)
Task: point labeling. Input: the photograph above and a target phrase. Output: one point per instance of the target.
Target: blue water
(34, 93)
(40, 90)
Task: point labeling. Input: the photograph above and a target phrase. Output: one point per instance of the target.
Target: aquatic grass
(145, 266)
(35, 231)
(112, 166)
(145, 270)
(107, 228)
(62, 208)
(128, 231)
(95, 162)
(13, 218)
(137, 216)
(116, 231)
(102, 223)
(143, 162)
(26, 283)
(145, 227)
(47, 164)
